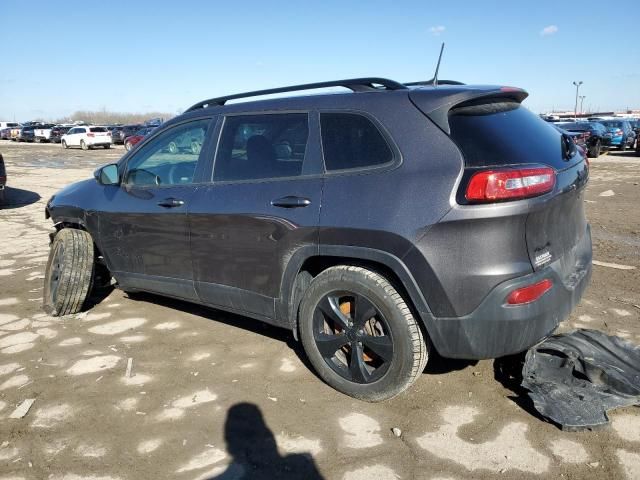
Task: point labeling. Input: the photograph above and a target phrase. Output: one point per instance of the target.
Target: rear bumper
(495, 329)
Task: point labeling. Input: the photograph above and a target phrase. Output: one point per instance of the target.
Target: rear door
(262, 206)
(143, 225)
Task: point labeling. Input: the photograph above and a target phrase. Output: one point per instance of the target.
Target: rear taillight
(512, 184)
(91, 135)
(530, 293)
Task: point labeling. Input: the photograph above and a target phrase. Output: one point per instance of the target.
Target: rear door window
(98, 129)
(254, 147)
(499, 133)
(352, 141)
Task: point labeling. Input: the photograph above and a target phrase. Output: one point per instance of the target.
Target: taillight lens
(530, 293)
(512, 184)
(91, 135)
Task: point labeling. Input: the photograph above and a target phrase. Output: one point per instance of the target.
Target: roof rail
(423, 83)
(354, 84)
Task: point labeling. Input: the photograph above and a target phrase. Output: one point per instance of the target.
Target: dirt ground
(214, 395)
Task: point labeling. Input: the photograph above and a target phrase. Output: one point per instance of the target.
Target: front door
(144, 228)
(263, 204)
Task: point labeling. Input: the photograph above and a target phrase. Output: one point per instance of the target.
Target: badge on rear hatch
(542, 256)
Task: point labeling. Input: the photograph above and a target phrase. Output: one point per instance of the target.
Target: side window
(351, 141)
(170, 158)
(262, 146)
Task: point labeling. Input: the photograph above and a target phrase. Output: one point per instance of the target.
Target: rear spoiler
(436, 103)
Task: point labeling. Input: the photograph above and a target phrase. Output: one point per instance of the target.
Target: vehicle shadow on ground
(508, 371)
(626, 153)
(436, 365)
(283, 335)
(17, 197)
(254, 452)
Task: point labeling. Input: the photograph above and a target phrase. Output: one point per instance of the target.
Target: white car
(87, 137)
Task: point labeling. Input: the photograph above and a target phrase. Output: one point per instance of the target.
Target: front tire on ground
(64, 144)
(360, 335)
(69, 273)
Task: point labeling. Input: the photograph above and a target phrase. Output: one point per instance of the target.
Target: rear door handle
(291, 201)
(171, 203)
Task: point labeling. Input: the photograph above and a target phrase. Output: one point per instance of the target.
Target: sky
(60, 57)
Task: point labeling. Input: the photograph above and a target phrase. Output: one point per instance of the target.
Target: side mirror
(107, 175)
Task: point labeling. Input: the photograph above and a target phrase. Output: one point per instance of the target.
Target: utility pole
(582, 97)
(575, 111)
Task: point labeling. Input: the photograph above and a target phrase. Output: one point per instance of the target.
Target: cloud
(437, 30)
(549, 30)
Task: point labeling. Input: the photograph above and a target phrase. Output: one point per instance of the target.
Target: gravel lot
(214, 395)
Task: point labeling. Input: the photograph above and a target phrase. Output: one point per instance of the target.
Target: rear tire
(595, 151)
(83, 145)
(392, 326)
(623, 145)
(69, 274)
(107, 146)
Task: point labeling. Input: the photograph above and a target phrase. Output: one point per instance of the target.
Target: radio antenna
(435, 75)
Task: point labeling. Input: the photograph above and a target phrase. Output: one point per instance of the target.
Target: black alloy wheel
(353, 336)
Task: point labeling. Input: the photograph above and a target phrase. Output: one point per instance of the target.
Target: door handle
(171, 203)
(291, 201)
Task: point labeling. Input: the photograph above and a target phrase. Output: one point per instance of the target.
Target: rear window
(498, 133)
(13, 125)
(576, 126)
(98, 129)
(352, 141)
(612, 124)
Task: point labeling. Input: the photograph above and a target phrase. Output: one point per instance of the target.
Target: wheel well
(313, 266)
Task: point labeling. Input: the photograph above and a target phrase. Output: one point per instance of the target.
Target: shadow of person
(254, 452)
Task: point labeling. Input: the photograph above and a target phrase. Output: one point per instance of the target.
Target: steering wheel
(140, 175)
(178, 172)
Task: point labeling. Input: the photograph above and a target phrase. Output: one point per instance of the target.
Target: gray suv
(377, 225)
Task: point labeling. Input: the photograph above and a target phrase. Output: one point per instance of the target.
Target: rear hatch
(498, 133)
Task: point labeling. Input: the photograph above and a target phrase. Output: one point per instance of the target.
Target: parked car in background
(87, 137)
(622, 135)
(57, 132)
(15, 132)
(115, 134)
(595, 136)
(124, 132)
(3, 179)
(133, 140)
(5, 133)
(188, 142)
(26, 134)
(575, 138)
(42, 133)
(8, 125)
(291, 217)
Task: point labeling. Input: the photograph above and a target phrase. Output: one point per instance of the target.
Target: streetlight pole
(575, 111)
(582, 97)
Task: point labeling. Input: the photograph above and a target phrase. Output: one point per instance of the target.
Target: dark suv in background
(375, 225)
(596, 136)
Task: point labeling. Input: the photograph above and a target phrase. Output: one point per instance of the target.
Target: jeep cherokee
(377, 224)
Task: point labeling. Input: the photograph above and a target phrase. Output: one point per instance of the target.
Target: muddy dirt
(213, 395)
